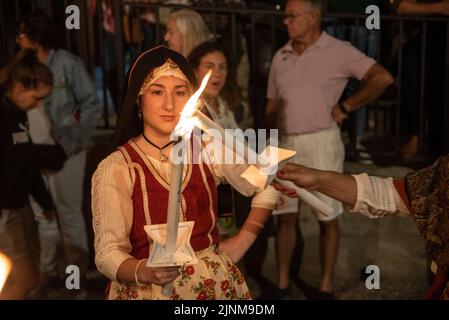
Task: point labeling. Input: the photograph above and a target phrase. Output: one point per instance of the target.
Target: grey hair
(316, 5)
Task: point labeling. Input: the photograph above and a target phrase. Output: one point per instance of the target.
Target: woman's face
(26, 99)
(162, 104)
(215, 61)
(173, 36)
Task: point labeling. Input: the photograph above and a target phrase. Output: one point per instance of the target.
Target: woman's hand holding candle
(156, 275)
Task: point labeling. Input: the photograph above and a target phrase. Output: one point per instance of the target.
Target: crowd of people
(49, 111)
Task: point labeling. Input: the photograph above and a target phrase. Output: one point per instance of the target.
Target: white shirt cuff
(376, 197)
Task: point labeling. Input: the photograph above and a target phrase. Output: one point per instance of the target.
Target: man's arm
(374, 83)
(333, 184)
(413, 8)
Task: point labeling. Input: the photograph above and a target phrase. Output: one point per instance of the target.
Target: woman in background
(219, 94)
(186, 29)
(224, 101)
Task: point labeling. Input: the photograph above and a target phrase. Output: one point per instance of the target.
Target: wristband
(252, 227)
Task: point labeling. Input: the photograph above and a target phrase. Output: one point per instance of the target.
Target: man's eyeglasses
(290, 17)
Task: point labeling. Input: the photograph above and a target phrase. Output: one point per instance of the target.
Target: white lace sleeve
(112, 214)
(377, 197)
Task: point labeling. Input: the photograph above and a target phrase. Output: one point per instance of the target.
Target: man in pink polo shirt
(307, 78)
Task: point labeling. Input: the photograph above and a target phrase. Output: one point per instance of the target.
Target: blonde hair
(192, 27)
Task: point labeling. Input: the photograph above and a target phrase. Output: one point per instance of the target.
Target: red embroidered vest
(199, 202)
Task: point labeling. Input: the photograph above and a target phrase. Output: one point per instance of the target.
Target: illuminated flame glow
(5, 268)
(187, 122)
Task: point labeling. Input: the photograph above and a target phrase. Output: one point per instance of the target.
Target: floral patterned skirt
(215, 277)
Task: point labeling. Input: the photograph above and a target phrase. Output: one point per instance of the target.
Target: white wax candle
(174, 200)
(314, 201)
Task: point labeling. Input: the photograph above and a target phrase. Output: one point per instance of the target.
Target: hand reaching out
(301, 176)
(331, 183)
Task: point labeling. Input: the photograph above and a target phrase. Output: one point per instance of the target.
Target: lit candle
(174, 201)
(181, 133)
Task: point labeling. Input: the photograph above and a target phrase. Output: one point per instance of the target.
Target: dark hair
(38, 28)
(230, 91)
(26, 69)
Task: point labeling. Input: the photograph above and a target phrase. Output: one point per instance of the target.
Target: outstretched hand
(301, 176)
(331, 183)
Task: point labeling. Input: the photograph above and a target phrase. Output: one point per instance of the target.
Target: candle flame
(187, 122)
(5, 268)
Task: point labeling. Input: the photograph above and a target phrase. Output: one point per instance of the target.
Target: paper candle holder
(183, 253)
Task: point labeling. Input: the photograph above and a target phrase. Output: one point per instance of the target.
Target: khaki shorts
(322, 150)
(18, 233)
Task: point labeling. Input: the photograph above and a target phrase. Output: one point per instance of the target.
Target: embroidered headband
(169, 68)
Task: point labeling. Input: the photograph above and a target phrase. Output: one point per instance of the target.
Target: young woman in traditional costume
(130, 190)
